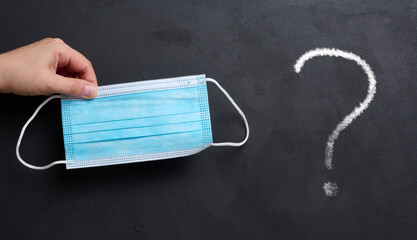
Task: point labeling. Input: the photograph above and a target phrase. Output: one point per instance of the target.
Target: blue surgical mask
(136, 122)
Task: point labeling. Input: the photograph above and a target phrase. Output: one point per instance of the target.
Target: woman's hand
(46, 67)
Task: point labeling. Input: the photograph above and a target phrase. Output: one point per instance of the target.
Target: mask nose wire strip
(231, 144)
(23, 132)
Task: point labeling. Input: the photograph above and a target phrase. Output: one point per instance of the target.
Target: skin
(46, 67)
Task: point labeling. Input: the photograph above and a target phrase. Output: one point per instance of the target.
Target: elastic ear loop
(232, 144)
(23, 132)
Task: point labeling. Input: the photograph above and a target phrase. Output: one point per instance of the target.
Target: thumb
(75, 87)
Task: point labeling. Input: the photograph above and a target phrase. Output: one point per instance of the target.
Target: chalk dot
(330, 189)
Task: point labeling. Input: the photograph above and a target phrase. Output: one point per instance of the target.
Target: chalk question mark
(331, 188)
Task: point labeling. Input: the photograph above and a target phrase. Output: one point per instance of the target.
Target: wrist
(3, 80)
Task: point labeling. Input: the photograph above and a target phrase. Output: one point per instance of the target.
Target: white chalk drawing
(330, 188)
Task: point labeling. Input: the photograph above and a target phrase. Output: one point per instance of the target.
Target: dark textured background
(271, 187)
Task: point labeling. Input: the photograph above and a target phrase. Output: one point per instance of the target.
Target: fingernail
(89, 91)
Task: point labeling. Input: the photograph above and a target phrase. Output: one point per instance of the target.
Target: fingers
(75, 75)
(74, 87)
(74, 62)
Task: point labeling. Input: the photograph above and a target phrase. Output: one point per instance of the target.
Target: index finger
(76, 63)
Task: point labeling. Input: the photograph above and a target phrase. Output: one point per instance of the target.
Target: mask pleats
(136, 132)
(133, 106)
(133, 146)
(136, 122)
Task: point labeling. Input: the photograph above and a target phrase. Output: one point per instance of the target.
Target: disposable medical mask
(136, 122)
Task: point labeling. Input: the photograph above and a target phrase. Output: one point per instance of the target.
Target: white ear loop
(232, 144)
(23, 132)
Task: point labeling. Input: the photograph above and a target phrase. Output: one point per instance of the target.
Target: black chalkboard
(271, 188)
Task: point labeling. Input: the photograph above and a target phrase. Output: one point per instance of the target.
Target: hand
(46, 67)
